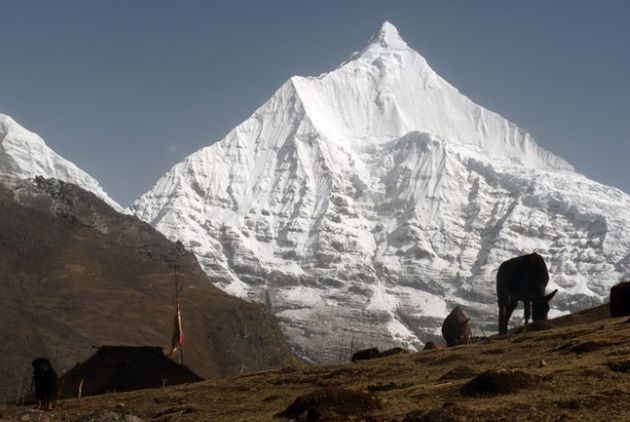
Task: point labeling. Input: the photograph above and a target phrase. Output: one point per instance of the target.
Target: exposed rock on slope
(363, 204)
(75, 274)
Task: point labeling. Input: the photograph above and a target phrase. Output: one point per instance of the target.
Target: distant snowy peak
(387, 90)
(25, 155)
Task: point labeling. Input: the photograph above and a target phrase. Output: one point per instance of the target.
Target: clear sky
(126, 89)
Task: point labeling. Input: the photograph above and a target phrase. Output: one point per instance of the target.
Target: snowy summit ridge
(363, 204)
(25, 155)
(398, 93)
(388, 36)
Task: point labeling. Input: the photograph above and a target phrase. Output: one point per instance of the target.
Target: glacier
(363, 204)
(25, 155)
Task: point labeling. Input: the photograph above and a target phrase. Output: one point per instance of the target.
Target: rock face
(361, 205)
(75, 274)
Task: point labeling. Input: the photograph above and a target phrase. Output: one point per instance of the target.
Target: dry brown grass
(585, 376)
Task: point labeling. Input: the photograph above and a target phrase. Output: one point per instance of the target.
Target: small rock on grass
(496, 382)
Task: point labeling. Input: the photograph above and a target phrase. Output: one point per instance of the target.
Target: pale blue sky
(126, 89)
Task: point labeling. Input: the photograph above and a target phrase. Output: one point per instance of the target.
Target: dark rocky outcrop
(365, 354)
(331, 404)
(374, 353)
(431, 345)
(497, 382)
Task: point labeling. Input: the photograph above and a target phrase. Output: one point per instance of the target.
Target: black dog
(45, 382)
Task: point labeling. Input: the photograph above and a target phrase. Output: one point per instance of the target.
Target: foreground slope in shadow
(75, 274)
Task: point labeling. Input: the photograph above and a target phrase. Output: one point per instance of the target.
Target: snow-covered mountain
(25, 155)
(363, 204)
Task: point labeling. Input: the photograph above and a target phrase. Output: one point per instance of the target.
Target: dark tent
(124, 368)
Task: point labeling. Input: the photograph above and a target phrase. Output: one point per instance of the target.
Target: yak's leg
(502, 320)
(528, 309)
(512, 304)
(505, 312)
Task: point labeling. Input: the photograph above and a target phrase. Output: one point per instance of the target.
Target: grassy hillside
(573, 368)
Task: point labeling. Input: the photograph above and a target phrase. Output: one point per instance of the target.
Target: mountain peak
(6, 119)
(7, 124)
(25, 155)
(388, 36)
(375, 197)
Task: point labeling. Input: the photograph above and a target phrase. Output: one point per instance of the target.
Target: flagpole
(181, 345)
(177, 289)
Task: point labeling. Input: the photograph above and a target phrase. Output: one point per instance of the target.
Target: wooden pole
(181, 354)
(177, 299)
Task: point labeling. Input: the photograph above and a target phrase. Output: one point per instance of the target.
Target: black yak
(523, 278)
(45, 383)
(620, 299)
(455, 328)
